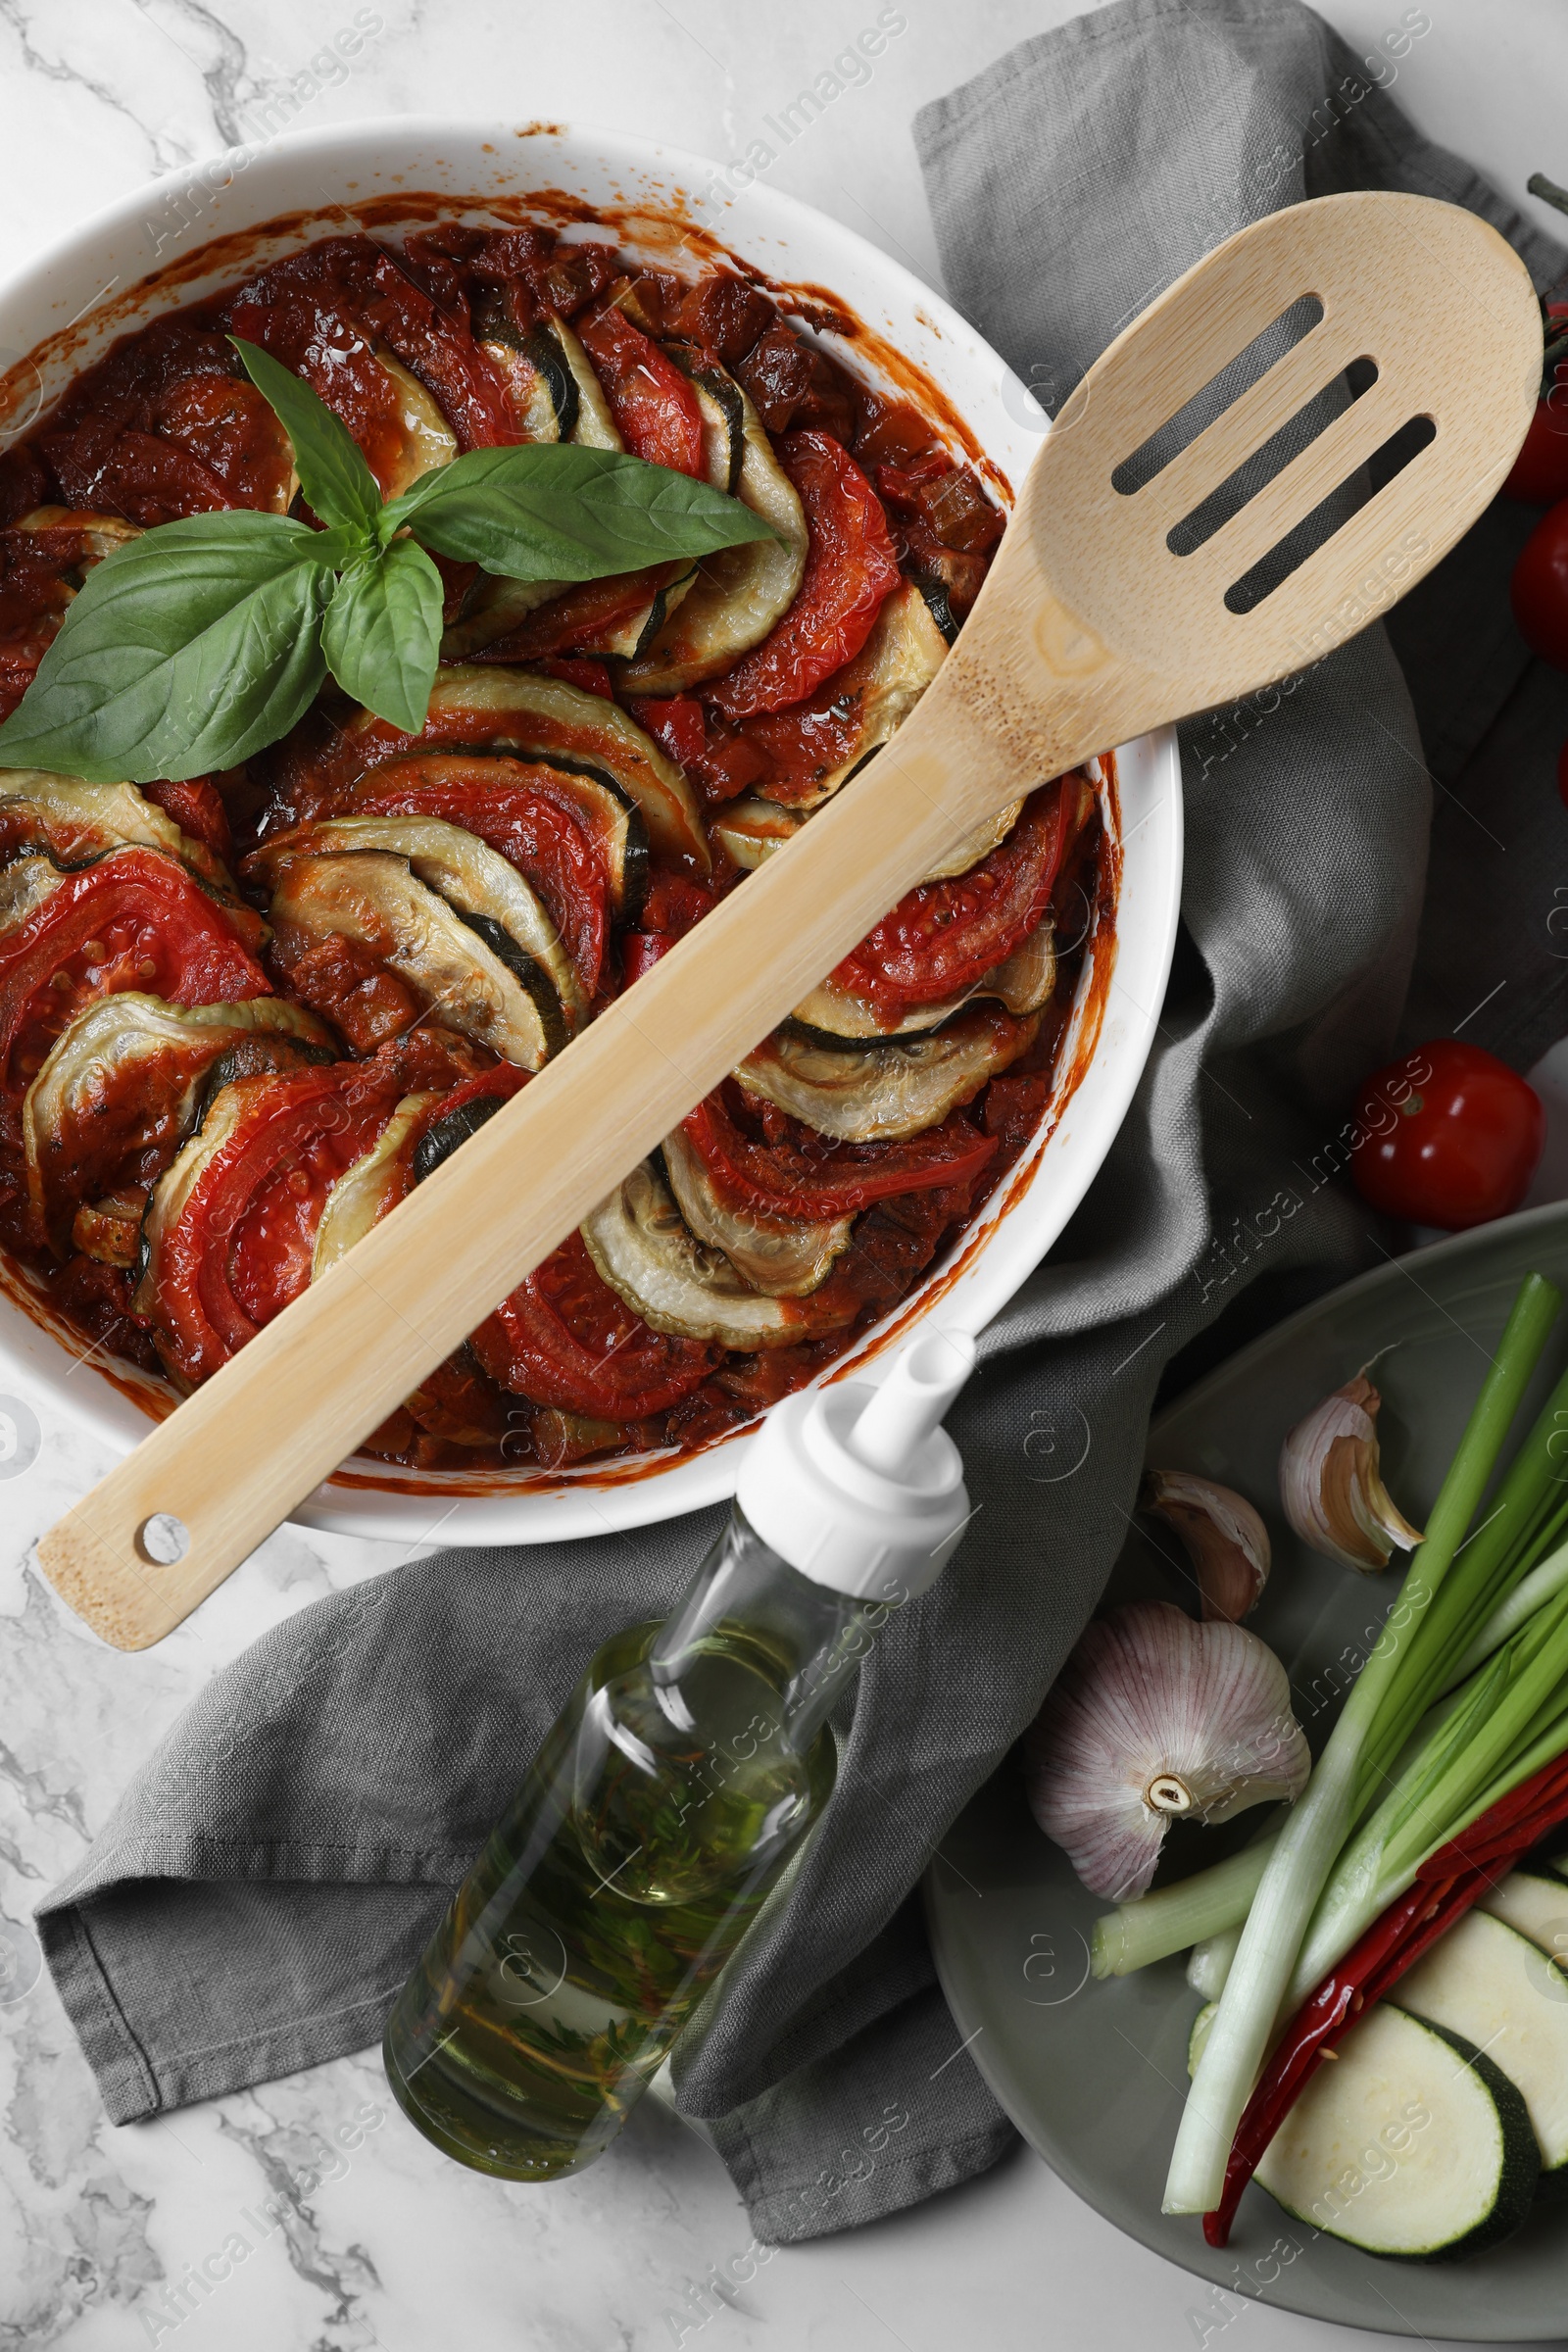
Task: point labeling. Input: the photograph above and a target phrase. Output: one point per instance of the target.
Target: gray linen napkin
(267, 1879)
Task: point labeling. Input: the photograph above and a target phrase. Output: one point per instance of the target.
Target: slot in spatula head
(1216, 506)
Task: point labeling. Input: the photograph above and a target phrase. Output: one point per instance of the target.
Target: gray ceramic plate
(1092, 2074)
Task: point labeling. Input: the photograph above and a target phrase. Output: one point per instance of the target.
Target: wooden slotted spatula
(1090, 630)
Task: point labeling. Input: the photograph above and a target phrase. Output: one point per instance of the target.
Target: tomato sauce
(454, 339)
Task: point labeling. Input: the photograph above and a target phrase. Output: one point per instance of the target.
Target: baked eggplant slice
(76, 822)
(363, 1192)
(644, 1249)
(881, 1093)
(124, 1084)
(468, 874)
(545, 718)
(466, 968)
(872, 695)
(639, 603)
(428, 441)
(786, 1258)
(741, 592)
(1023, 984)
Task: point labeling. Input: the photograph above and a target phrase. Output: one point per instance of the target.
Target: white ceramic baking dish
(202, 228)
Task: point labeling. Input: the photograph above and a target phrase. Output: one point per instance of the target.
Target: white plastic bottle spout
(858, 1486)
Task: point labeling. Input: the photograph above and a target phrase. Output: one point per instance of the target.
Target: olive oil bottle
(689, 1763)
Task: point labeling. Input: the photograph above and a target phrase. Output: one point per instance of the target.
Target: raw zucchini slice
(469, 971)
(1537, 1907)
(468, 874)
(1411, 2143)
(785, 1258)
(545, 718)
(428, 441)
(644, 1250)
(741, 592)
(874, 1094)
(1486, 1981)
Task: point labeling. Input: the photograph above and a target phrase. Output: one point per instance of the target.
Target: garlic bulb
(1225, 1540)
(1157, 1718)
(1332, 1486)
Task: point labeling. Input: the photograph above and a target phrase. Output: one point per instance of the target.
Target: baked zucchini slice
(643, 1248)
(363, 1192)
(877, 1093)
(466, 968)
(787, 1257)
(753, 829)
(742, 592)
(76, 821)
(127, 1077)
(554, 390)
(875, 693)
(1486, 1981)
(428, 441)
(545, 718)
(468, 874)
(1023, 983)
(1412, 2144)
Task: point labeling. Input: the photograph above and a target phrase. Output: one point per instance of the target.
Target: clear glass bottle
(692, 1758)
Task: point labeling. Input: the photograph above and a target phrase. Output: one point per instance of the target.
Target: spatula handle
(240, 1453)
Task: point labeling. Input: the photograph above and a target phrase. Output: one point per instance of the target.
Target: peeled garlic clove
(1157, 1718)
(1331, 1484)
(1226, 1541)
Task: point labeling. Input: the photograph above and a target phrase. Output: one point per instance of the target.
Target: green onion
(1310, 1842)
(1137, 1934)
(1532, 1594)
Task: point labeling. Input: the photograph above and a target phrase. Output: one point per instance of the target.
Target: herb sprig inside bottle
(203, 640)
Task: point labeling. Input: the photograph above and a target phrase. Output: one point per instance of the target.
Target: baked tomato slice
(231, 1225)
(943, 937)
(654, 407)
(851, 568)
(135, 919)
(565, 1338)
(531, 814)
(760, 1160)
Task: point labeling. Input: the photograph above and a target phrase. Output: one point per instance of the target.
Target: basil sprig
(202, 641)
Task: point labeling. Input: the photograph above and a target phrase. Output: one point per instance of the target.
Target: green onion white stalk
(1310, 1840)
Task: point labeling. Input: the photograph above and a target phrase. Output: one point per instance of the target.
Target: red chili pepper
(1446, 1885)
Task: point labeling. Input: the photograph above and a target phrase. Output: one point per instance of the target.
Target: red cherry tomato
(1450, 1136)
(1538, 591)
(1539, 474)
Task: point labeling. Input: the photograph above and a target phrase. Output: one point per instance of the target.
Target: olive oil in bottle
(689, 1763)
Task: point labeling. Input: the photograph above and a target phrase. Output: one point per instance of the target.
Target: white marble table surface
(392, 2246)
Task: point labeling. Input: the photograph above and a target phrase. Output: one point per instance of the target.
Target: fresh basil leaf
(382, 633)
(330, 463)
(550, 511)
(186, 650)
